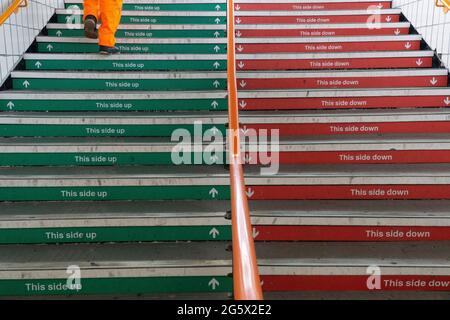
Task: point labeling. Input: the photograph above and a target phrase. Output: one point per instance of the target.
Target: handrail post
(445, 4)
(246, 279)
(13, 8)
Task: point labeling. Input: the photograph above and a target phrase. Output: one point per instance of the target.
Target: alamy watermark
(73, 17)
(74, 279)
(374, 278)
(210, 147)
(375, 17)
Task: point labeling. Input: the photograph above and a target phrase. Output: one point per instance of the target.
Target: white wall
(429, 21)
(20, 30)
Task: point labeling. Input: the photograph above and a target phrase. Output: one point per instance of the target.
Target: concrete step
(244, 17)
(161, 5)
(288, 123)
(155, 17)
(144, 31)
(307, 182)
(351, 60)
(115, 269)
(342, 122)
(134, 62)
(321, 99)
(393, 78)
(124, 81)
(349, 182)
(321, 30)
(114, 183)
(243, 31)
(202, 5)
(113, 101)
(307, 5)
(244, 45)
(345, 220)
(121, 269)
(317, 17)
(165, 46)
(385, 149)
(344, 99)
(273, 80)
(94, 222)
(352, 266)
(186, 62)
(110, 124)
(381, 149)
(121, 221)
(111, 151)
(328, 44)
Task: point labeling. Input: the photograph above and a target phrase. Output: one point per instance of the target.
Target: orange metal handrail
(246, 280)
(443, 4)
(13, 8)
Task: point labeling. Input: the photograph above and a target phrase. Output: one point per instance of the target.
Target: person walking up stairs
(110, 13)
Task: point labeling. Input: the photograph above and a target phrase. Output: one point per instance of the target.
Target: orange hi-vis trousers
(109, 13)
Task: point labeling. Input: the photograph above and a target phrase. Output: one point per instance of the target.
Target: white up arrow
(214, 233)
(213, 192)
(214, 104)
(10, 105)
(213, 283)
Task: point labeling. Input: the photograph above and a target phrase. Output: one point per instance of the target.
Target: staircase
(88, 178)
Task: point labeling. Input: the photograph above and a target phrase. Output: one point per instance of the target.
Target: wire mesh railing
(20, 28)
(431, 22)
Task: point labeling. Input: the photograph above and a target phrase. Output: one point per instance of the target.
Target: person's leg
(110, 15)
(91, 8)
(90, 18)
